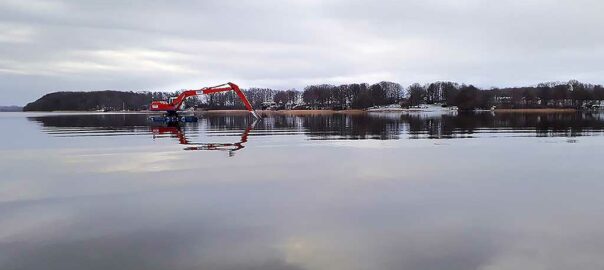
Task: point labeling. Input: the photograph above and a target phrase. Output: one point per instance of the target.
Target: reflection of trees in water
(568, 124)
(267, 125)
(462, 125)
(226, 122)
(91, 120)
(369, 126)
(355, 126)
(92, 124)
(447, 126)
(319, 126)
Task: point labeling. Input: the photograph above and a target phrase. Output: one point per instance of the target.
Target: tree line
(572, 94)
(323, 96)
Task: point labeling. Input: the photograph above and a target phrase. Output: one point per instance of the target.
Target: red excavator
(174, 104)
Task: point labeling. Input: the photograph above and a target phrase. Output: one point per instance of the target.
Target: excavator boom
(174, 104)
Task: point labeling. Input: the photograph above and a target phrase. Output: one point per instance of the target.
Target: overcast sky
(57, 45)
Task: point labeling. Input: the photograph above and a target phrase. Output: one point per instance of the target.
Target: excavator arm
(174, 104)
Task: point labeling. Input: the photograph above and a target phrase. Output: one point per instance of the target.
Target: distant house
(502, 102)
(595, 105)
(530, 102)
(560, 103)
(269, 105)
(498, 100)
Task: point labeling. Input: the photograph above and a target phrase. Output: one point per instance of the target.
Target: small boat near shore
(387, 108)
(423, 108)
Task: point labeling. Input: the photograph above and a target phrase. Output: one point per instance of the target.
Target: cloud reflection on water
(286, 202)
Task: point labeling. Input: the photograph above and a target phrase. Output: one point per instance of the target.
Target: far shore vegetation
(572, 95)
(11, 108)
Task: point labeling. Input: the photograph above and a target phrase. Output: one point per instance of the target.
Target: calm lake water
(369, 191)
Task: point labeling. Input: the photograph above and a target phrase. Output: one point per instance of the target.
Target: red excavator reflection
(175, 130)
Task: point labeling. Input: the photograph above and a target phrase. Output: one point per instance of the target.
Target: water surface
(363, 191)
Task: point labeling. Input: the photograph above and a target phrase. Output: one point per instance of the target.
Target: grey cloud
(167, 45)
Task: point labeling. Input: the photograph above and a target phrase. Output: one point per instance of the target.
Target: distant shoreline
(360, 111)
(283, 112)
(305, 112)
(543, 110)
